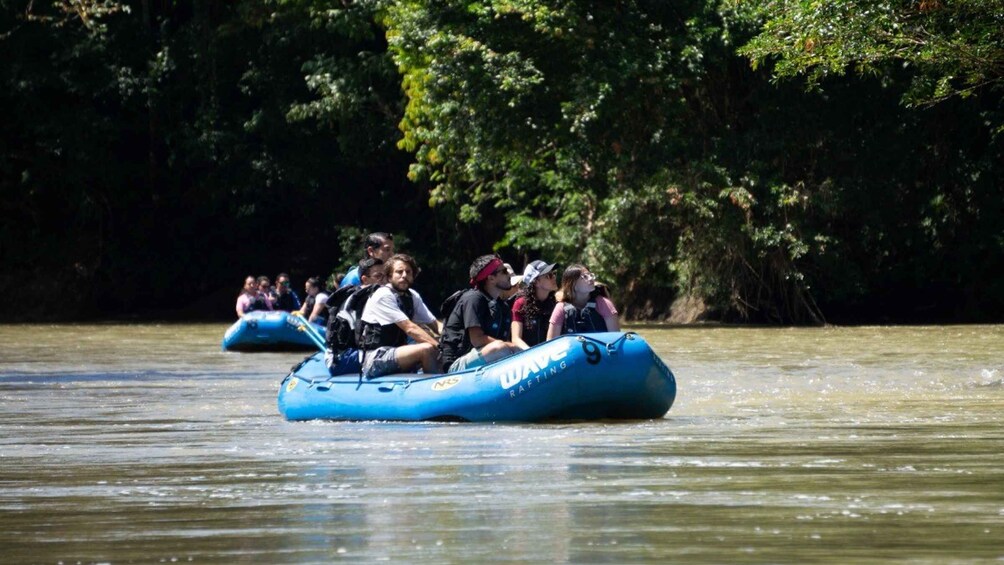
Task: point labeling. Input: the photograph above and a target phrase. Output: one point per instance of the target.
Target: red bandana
(487, 271)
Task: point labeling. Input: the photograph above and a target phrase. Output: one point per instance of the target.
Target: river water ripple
(127, 443)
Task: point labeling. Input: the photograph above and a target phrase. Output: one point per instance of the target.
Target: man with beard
(472, 335)
(390, 317)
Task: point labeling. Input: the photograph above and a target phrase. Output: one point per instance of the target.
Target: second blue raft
(267, 330)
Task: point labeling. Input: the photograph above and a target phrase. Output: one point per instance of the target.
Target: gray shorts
(380, 361)
(470, 360)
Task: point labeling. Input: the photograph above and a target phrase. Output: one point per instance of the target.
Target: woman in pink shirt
(246, 298)
(254, 296)
(582, 307)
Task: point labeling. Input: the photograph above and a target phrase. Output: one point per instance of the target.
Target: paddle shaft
(308, 328)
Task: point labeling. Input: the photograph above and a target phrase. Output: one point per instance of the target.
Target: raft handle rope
(610, 347)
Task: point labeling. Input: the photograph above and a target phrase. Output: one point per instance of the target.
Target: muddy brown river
(148, 444)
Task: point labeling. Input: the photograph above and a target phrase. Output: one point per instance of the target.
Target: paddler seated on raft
(265, 298)
(392, 315)
(531, 312)
(583, 306)
(247, 299)
(285, 297)
(379, 245)
(314, 305)
(343, 359)
(472, 336)
(501, 307)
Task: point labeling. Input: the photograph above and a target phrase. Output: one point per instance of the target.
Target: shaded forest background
(765, 162)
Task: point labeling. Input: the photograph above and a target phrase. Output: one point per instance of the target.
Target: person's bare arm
(416, 332)
(478, 337)
(517, 335)
(613, 323)
(318, 305)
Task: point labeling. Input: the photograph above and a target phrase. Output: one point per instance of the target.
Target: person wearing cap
(583, 306)
(471, 335)
(532, 309)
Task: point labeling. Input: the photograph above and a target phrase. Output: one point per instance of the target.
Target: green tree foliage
(631, 135)
(165, 149)
(153, 153)
(954, 48)
(595, 128)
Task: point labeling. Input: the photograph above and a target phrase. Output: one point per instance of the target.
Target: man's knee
(494, 347)
(497, 350)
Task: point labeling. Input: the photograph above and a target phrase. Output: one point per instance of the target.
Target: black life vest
(587, 320)
(259, 303)
(535, 327)
(501, 310)
(372, 335)
(322, 317)
(345, 307)
(288, 302)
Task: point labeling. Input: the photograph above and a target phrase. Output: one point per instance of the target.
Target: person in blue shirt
(379, 245)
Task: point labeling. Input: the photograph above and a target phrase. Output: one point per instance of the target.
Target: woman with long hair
(315, 304)
(532, 309)
(582, 306)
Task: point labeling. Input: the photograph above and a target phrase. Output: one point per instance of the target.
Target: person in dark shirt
(285, 297)
(501, 307)
(472, 335)
(531, 312)
(265, 298)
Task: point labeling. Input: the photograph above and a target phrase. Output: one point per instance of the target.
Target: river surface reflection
(124, 443)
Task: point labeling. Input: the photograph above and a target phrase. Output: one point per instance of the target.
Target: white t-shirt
(382, 308)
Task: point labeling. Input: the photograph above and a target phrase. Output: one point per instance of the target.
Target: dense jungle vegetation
(766, 161)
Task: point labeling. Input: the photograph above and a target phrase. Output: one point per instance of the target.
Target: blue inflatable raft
(264, 330)
(575, 377)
